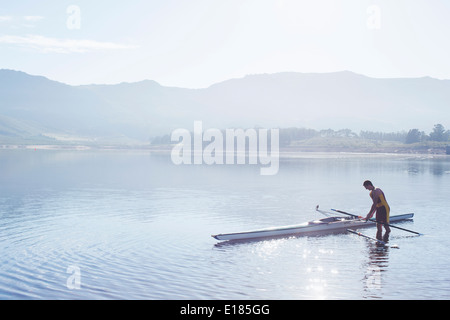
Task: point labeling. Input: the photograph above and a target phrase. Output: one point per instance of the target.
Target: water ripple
(150, 239)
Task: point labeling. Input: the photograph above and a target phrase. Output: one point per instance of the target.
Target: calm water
(131, 225)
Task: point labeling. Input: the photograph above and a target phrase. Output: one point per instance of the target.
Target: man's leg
(379, 231)
(386, 234)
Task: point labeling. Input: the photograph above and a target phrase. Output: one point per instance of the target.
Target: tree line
(288, 135)
(438, 134)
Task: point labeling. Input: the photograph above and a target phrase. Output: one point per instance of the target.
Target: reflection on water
(136, 226)
(377, 264)
(438, 167)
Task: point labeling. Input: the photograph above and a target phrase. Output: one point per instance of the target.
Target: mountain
(36, 108)
(337, 100)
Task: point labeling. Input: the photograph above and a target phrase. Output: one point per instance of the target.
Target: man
(381, 207)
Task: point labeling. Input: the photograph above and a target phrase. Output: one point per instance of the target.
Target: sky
(196, 43)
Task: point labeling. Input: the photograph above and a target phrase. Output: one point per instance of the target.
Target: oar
(323, 212)
(372, 220)
(328, 213)
(349, 214)
(370, 238)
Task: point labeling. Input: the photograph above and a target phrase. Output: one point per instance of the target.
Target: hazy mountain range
(36, 108)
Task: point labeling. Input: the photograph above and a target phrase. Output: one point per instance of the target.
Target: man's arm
(376, 195)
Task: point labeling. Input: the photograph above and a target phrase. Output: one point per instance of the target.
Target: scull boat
(330, 224)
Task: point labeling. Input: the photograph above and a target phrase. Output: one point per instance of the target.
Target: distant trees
(165, 139)
(383, 136)
(414, 135)
(438, 134)
(289, 135)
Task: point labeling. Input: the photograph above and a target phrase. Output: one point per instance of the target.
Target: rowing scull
(330, 224)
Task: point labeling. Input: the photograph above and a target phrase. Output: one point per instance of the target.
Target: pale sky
(196, 43)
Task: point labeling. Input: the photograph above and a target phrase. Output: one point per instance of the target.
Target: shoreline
(284, 152)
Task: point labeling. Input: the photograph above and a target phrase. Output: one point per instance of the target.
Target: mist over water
(138, 227)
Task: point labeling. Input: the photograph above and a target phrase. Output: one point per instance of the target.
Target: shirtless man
(381, 207)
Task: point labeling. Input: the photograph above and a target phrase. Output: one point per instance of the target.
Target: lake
(133, 225)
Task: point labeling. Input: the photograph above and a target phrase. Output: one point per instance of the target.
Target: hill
(34, 108)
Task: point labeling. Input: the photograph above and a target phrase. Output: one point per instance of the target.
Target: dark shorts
(381, 215)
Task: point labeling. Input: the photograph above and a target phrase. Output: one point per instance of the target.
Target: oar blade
(373, 239)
